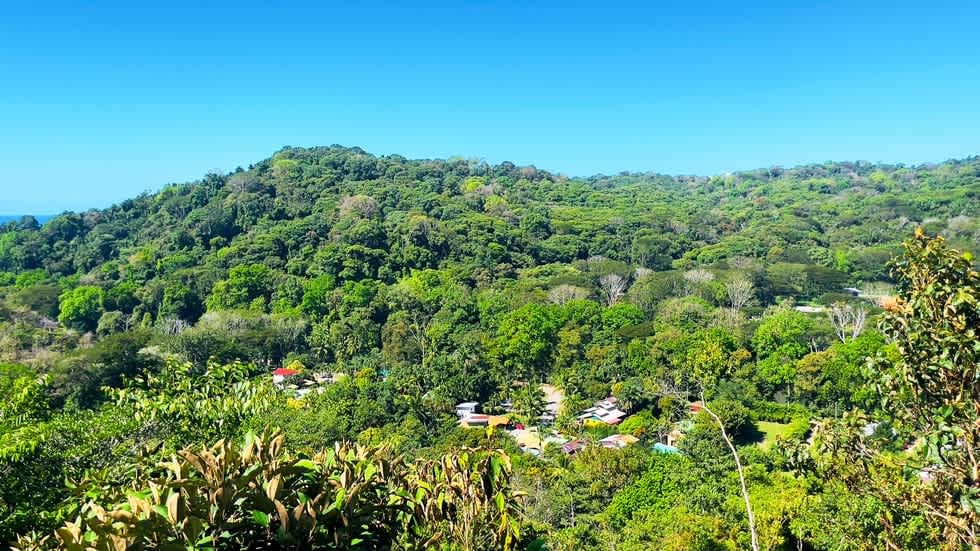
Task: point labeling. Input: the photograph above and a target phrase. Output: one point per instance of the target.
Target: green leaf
(305, 464)
(261, 518)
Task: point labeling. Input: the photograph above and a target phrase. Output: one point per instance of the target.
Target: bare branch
(740, 292)
(857, 325)
(563, 294)
(847, 319)
(613, 287)
(698, 275)
(741, 472)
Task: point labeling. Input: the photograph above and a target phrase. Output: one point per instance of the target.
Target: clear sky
(102, 100)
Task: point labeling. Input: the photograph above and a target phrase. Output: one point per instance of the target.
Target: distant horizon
(41, 218)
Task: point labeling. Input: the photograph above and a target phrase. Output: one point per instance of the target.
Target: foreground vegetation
(137, 345)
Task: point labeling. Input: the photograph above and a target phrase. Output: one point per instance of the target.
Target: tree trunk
(741, 473)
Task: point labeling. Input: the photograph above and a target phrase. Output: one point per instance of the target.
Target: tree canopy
(275, 356)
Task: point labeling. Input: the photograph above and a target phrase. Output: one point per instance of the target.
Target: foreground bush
(257, 496)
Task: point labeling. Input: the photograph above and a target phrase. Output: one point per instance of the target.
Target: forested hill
(328, 296)
(352, 215)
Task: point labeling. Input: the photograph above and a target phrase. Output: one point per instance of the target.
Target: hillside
(387, 290)
(302, 206)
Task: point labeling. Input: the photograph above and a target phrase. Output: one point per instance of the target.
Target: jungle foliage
(136, 345)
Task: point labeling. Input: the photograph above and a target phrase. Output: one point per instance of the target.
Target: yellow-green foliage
(256, 495)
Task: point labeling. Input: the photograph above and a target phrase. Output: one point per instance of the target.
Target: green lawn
(771, 431)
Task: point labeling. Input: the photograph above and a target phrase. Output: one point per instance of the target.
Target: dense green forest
(274, 358)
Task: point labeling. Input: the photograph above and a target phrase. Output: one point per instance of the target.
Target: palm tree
(529, 403)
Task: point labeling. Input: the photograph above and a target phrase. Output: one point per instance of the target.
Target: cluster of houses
(604, 412)
(534, 440)
(468, 415)
(529, 439)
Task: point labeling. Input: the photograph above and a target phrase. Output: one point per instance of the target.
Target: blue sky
(102, 100)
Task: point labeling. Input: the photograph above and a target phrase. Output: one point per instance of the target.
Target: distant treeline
(41, 218)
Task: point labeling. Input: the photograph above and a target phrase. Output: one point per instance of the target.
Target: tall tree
(81, 307)
(931, 389)
(613, 287)
(740, 291)
(847, 319)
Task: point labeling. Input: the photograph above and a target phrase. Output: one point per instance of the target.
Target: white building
(466, 409)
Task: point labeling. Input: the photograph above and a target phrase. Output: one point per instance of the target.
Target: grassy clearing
(772, 431)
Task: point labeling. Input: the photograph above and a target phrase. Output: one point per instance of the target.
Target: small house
(528, 441)
(608, 403)
(665, 448)
(466, 409)
(479, 420)
(603, 412)
(281, 374)
(618, 441)
(572, 447)
(475, 420)
(533, 442)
